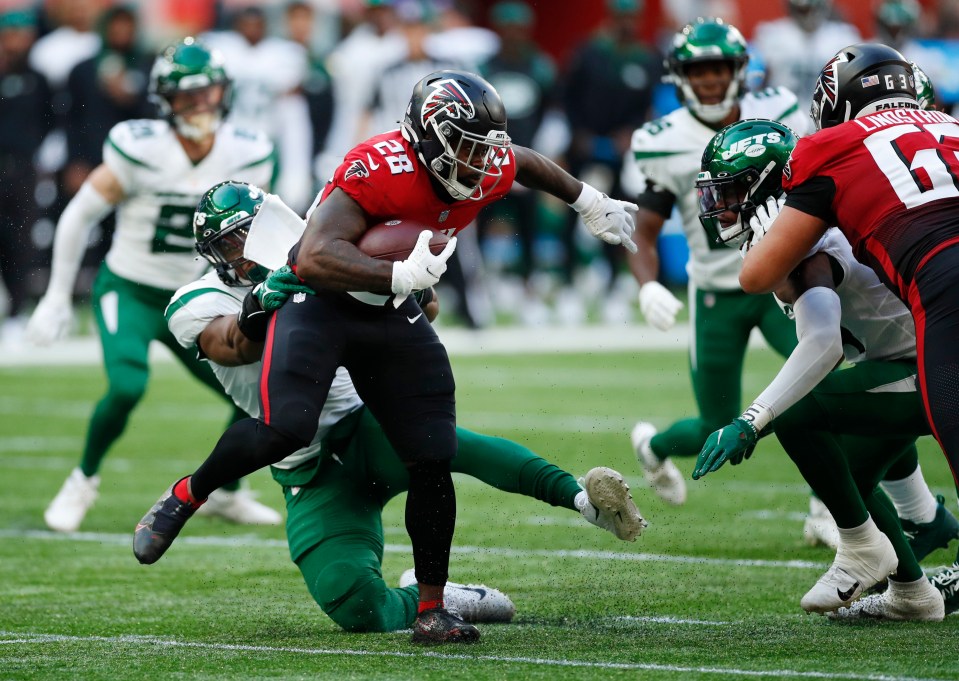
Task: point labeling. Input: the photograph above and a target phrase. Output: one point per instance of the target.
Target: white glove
(658, 305)
(766, 214)
(51, 320)
(421, 270)
(607, 219)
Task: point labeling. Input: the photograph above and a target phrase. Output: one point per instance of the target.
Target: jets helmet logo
(448, 96)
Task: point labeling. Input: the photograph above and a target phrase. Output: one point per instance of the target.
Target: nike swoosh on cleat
(846, 595)
(412, 320)
(481, 592)
(140, 526)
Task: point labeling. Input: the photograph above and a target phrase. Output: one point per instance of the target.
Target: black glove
(252, 319)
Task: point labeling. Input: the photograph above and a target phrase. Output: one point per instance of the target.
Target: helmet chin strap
(712, 113)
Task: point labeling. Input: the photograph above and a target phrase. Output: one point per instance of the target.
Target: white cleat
(819, 528)
(853, 571)
(917, 601)
(607, 503)
(239, 507)
(661, 474)
(471, 602)
(70, 506)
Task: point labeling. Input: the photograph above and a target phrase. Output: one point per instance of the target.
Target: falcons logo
(356, 169)
(828, 82)
(448, 96)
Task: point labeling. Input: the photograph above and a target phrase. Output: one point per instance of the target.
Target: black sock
(430, 519)
(245, 447)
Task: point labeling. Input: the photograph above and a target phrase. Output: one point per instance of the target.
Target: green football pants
(335, 528)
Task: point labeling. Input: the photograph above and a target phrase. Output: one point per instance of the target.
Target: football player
(840, 309)
(153, 173)
(707, 63)
(881, 169)
(336, 488)
(451, 156)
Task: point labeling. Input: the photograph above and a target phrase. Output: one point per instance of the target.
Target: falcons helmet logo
(828, 82)
(448, 96)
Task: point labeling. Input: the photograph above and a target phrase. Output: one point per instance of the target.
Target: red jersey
(892, 182)
(386, 179)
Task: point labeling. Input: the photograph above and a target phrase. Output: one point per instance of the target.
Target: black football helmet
(456, 123)
(862, 79)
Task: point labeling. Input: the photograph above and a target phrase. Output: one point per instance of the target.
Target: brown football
(393, 240)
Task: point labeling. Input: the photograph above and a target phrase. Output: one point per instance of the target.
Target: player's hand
(766, 214)
(658, 305)
(734, 443)
(421, 269)
(51, 320)
(607, 219)
(278, 287)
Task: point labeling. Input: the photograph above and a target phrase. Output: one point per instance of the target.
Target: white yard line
(18, 638)
(258, 542)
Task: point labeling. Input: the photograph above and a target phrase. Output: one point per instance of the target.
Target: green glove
(733, 443)
(278, 287)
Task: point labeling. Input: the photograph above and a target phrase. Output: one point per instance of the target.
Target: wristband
(252, 319)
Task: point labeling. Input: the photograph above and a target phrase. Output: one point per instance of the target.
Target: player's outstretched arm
(96, 198)
(606, 219)
(222, 342)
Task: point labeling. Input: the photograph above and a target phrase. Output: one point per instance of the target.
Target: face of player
(710, 80)
(198, 110)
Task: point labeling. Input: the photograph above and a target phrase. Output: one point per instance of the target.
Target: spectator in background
(608, 93)
(74, 39)
(268, 75)
(317, 86)
(25, 118)
(525, 78)
(897, 22)
(795, 47)
(355, 65)
(105, 89)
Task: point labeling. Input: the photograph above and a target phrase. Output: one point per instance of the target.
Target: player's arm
(606, 219)
(811, 290)
(658, 305)
(223, 342)
(768, 263)
(96, 199)
(328, 257)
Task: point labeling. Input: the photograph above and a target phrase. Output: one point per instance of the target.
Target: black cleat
(439, 625)
(160, 526)
(924, 538)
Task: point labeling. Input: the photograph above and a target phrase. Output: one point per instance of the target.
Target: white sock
(580, 500)
(916, 587)
(854, 537)
(911, 497)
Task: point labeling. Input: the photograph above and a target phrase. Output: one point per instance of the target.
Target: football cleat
(239, 507)
(160, 526)
(853, 571)
(946, 582)
(924, 538)
(661, 474)
(439, 625)
(917, 601)
(819, 528)
(609, 505)
(70, 506)
(471, 602)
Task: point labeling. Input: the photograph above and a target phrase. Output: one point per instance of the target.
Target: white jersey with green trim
(194, 306)
(668, 152)
(876, 325)
(153, 240)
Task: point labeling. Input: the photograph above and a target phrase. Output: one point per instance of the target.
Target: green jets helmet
(925, 92)
(704, 40)
(221, 224)
(189, 66)
(741, 168)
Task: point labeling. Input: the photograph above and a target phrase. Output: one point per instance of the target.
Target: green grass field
(711, 590)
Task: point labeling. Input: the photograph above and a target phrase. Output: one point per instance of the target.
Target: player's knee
(352, 598)
(126, 395)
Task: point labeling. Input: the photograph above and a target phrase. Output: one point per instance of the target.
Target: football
(393, 240)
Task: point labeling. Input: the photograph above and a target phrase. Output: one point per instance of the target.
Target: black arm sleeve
(657, 200)
(814, 197)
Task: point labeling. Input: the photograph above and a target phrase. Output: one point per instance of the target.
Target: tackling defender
(336, 488)
(153, 173)
(451, 157)
(843, 429)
